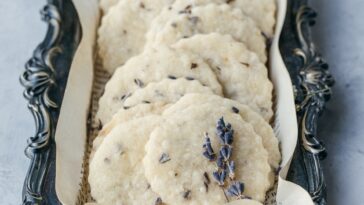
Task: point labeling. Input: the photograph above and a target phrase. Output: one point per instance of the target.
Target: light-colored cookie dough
(207, 19)
(262, 128)
(122, 30)
(154, 64)
(122, 116)
(263, 12)
(116, 172)
(180, 179)
(169, 90)
(243, 77)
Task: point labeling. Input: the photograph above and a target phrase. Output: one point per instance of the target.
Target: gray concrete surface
(338, 33)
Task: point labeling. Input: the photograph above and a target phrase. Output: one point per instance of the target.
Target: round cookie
(207, 19)
(181, 179)
(243, 77)
(122, 30)
(169, 90)
(154, 64)
(116, 171)
(122, 116)
(261, 127)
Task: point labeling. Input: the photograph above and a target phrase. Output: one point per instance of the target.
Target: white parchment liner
(71, 133)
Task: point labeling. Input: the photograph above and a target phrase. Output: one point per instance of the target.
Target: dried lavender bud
(206, 178)
(138, 82)
(193, 65)
(225, 152)
(235, 110)
(228, 137)
(172, 77)
(236, 189)
(246, 64)
(220, 177)
(187, 194)
(158, 201)
(231, 168)
(164, 158)
(208, 151)
(206, 186)
(220, 162)
(190, 78)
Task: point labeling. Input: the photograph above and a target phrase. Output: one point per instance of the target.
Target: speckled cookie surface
(243, 77)
(262, 128)
(169, 90)
(123, 116)
(122, 30)
(116, 171)
(263, 12)
(153, 65)
(207, 19)
(181, 138)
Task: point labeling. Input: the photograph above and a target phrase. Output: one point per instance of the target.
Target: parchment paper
(71, 133)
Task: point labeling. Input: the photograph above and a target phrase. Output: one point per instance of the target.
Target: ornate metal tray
(46, 74)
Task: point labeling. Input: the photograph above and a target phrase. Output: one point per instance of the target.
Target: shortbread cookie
(116, 171)
(169, 90)
(243, 77)
(207, 19)
(122, 30)
(154, 64)
(262, 128)
(176, 169)
(122, 116)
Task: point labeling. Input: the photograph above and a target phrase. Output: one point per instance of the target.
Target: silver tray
(46, 73)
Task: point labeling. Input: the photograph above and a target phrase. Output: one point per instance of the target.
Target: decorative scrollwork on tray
(38, 80)
(312, 93)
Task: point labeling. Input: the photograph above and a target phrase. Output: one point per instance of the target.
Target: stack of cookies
(186, 112)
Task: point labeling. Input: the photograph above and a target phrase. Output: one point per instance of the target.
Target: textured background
(339, 36)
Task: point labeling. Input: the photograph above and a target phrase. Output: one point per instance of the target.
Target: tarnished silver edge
(312, 93)
(38, 78)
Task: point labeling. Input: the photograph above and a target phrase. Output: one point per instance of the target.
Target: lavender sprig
(225, 166)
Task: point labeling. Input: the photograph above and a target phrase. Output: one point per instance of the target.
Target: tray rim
(45, 78)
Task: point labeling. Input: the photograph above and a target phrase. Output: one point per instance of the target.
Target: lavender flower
(236, 189)
(208, 151)
(231, 167)
(220, 177)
